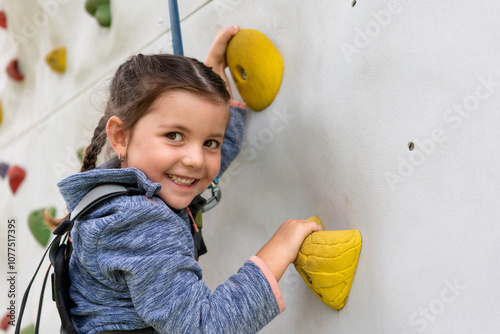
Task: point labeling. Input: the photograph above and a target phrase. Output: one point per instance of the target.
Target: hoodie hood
(75, 187)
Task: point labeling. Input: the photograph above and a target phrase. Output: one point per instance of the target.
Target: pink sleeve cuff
(237, 104)
(272, 281)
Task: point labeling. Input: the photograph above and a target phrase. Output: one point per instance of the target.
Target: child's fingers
(314, 226)
(216, 54)
(305, 227)
(224, 35)
(317, 227)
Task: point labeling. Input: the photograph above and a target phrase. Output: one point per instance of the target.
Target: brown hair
(138, 82)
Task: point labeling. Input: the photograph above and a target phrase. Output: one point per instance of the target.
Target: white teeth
(181, 181)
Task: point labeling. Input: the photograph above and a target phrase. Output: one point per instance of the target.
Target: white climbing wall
(361, 83)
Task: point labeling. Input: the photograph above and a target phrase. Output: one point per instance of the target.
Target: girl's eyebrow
(218, 136)
(183, 129)
(171, 126)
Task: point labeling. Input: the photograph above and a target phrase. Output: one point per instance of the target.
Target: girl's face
(178, 144)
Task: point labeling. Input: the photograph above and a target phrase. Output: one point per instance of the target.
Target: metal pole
(175, 27)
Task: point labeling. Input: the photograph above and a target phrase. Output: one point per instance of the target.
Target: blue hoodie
(133, 264)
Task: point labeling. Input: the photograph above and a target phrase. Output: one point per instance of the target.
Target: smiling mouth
(180, 180)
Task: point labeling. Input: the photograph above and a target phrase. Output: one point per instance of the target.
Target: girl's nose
(194, 157)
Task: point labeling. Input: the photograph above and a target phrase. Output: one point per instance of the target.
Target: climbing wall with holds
(385, 122)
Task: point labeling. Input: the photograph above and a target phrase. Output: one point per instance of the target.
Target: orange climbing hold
(57, 59)
(16, 176)
(3, 20)
(13, 71)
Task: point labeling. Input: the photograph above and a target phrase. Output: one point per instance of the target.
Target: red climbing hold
(4, 324)
(16, 176)
(13, 71)
(3, 20)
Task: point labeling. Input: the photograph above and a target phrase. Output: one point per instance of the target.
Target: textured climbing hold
(3, 20)
(100, 9)
(13, 71)
(256, 66)
(36, 223)
(16, 176)
(3, 169)
(327, 261)
(57, 59)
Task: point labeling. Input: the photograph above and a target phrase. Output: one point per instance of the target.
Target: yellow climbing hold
(57, 59)
(256, 66)
(327, 261)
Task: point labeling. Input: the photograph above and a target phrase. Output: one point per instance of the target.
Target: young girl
(134, 261)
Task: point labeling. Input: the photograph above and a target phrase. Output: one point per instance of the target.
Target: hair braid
(96, 144)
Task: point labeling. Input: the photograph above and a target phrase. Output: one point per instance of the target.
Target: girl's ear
(118, 136)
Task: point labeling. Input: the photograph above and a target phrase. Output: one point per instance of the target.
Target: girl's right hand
(216, 57)
(284, 245)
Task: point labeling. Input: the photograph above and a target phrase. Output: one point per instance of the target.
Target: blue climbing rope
(175, 27)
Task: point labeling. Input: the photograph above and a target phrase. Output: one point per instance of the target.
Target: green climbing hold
(36, 223)
(80, 152)
(199, 220)
(30, 329)
(100, 9)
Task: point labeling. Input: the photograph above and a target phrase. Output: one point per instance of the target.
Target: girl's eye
(211, 143)
(174, 136)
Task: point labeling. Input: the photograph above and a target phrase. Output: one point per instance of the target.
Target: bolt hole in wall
(411, 146)
(241, 73)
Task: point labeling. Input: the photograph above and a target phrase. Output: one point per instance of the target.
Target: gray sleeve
(234, 137)
(165, 281)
